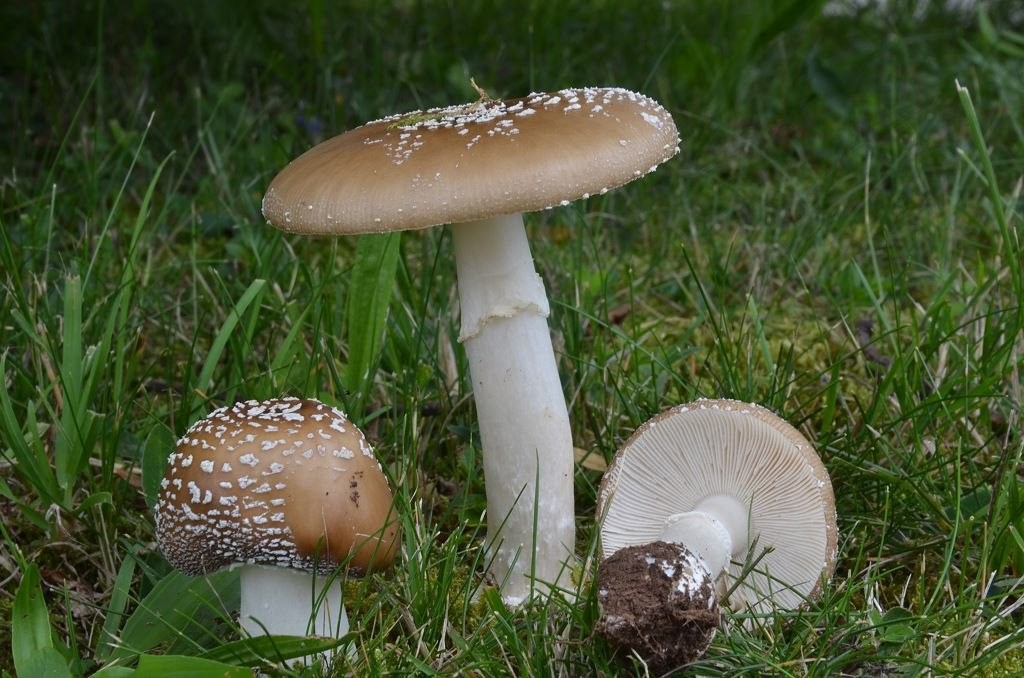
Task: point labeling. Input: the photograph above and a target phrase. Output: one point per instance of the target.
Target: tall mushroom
(479, 166)
(282, 488)
(723, 483)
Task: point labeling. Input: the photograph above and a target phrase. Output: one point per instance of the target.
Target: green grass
(838, 240)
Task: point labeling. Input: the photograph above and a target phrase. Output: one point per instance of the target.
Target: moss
(371, 595)
(6, 656)
(1007, 664)
(414, 119)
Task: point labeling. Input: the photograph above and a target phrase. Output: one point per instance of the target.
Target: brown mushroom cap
(284, 482)
(712, 448)
(471, 162)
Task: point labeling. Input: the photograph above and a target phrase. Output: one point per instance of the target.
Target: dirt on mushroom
(658, 600)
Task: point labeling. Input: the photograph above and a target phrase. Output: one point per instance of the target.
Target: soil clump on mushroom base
(657, 599)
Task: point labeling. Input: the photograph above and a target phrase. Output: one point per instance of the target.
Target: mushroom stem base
(703, 535)
(717, 531)
(282, 602)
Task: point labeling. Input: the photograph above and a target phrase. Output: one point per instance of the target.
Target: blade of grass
(169, 609)
(122, 305)
(286, 351)
(74, 421)
(189, 667)
(31, 635)
(1011, 245)
(159, 443)
(115, 609)
(114, 672)
(113, 211)
(784, 18)
(25, 447)
(203, 384)
(46, 662)
(373, 279)
(260, 649)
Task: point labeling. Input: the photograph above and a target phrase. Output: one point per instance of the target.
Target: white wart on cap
(285, 482)
(754, 472)
(472, 162)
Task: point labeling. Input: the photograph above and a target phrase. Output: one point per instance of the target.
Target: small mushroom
(727, 484)
(288, 489)
(479, 166)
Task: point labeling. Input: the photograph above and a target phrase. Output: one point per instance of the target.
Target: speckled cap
(283, 482)
(471, 162)
(698, 453)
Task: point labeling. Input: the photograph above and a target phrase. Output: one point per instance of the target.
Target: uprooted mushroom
(706, 497)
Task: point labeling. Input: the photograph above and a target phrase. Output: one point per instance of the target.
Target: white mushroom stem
(524, 423)
(281, 601)
(716, 531)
